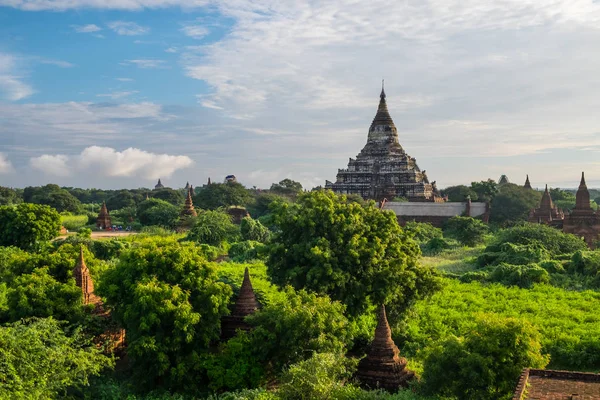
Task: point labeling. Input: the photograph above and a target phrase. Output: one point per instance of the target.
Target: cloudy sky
(116, 93)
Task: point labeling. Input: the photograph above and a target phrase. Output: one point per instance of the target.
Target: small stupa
(245, 304)
(188, 208)
(103, 220)
(83, 280)
(527, 184)
(383, 367)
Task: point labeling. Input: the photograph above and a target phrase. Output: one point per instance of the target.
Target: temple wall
(434, 213)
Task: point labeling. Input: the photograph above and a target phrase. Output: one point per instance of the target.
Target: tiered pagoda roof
(382, 169)
(583, 221)
(188, 208)
(547, 211)
(159, 185)
(383, 367)
(527, 185)
(103, 221)
(245, 304)
(83, 280)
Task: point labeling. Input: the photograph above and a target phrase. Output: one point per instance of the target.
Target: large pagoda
(583, 221)
(383, 169)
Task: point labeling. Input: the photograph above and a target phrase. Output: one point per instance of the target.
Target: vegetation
(213, 227)
(468, 231)
(27, 225)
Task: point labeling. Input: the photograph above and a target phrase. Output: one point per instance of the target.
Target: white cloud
(108, 162)
(171, 50)
(146, 63)
(12, 85)
(5, 164)
(195, 31)
(58, 165)
(86, 28)
(57, 63)
(118, 95)
(128, 28)
(124, 79)
(62, 5)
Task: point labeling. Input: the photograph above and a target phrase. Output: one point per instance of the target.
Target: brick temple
(103, 220)
(383, 169)
(383, 368)
(547, 212)
(539, 384)
(245, 304)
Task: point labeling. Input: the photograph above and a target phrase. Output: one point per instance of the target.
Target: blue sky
(116, 93)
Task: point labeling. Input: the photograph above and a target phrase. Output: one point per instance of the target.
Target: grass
(73, 222)
(456, 260)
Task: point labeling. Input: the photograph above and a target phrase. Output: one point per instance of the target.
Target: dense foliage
(26, 225)
(468, 231)
(158, 212)
(168, 299)
(355, 254)
(216, 195)
(213, 227)
(513, 204)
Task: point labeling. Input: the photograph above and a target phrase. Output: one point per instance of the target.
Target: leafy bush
(422, 232)
(158, 212)
(523, 276)
(553, 266)
(74, 222)
(468, 231)
(211, 253)
(435, 246)
(213, 227)
(248, 250)
(486, 363)
(252, 229)
(585, 263)
(27, 225)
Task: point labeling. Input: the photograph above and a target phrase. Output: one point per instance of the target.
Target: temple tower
(527, 185)
(103, 220)
(547, 212)
(383, 169)
(383, 367)
(245, 304)
(159, 185)
(83, 280)
(583, 221)
(188, 208)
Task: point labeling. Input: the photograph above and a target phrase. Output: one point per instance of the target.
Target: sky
(118, 93)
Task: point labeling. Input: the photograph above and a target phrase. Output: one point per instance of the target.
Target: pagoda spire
(188, 209)
(582, 198)
(103, 221)
(527, 183)
(383, 367)
(83, 280)
(383, 118)
(245, 304)
(546, 203)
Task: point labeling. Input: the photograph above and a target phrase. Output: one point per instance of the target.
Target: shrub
(553, 266)
(585, 263)
(486, 362)
(252, 229)
(422, 232)
(468, 231)
(248, 250)
(523, 276)
(213, 227)
(435, 246)
(74, 222)
(27, 225)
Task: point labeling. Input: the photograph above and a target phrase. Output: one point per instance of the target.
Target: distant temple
(383, 169)
(83, 280)
(545, 384)
(503, 180)
(527, 184)
(547, 212)
(188, 208)
(246, 304)
(383, 367)
(582, 221)
(159, 185)
(103, 220)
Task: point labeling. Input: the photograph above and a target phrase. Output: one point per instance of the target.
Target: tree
(486, 363)
(40, 361)
(26, 225)
(459, 193)
(121, 199)
(158, 212)
(172, 196)
(9, 196)
(218, 195)
(287, 187)
(467, 230)
(356, 254)
(213, 227)
(169, 300)
(513, 204)
(252, 229)
(261, 205)
(486, 190)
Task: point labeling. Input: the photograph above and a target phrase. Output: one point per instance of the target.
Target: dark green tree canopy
(26, 225)
(213, 227)
(459, 193)
(287, 187)
(169, 300)
(218, 195)
(10, 196)
(468, 231)
(158, 212)
(356, 254)
(172, 196)
(513, 204)
(121, 199)
(486, 190)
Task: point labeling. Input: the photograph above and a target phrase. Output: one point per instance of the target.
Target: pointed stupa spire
(382, 118)
(103, 221)
(246, 302)
(188, 208)
(383, 367)
(83, 280)
(208, 183)
(159, 185)
(527, 183)
(582, 198)
(546, 202)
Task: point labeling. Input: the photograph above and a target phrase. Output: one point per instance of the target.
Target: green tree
(158, 212)
(218, 195)
(9, 196)
(169, 300)
(287, 187)
(40, 362)
(486, 363)
(172, 196)
(262, 203)
(513, 204)
(486, 190)
(252, 229)
(121, 199)
(26, 225)
(213, 227)
(459, 193)
(467, 230)
(356, 254)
